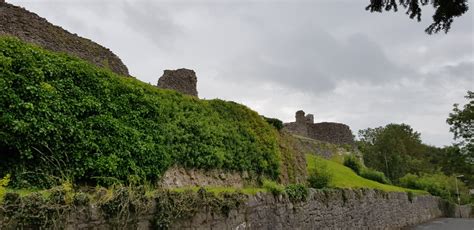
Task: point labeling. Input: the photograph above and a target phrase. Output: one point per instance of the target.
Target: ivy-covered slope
(63, 117)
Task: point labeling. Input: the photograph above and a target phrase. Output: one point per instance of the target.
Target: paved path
(447, 224)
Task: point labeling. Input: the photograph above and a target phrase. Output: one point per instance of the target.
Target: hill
(63, 117)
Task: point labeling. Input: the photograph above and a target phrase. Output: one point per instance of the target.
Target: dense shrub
(3, 184)
(296, 192)
(374, 175)
(273, 187)
(352, 162)
(61, 116)
(319, 176)
(437, 184)
(278, 124)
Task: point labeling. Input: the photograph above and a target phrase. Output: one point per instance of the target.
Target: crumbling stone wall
(181, 80)
(331, 132)
(330, 209)
(323, 209)
(19, 22)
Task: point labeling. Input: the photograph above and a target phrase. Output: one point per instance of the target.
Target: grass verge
(344, 177)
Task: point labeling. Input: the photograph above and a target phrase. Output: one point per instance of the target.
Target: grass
(344, 177)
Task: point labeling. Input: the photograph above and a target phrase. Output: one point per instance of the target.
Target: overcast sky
(328, 57)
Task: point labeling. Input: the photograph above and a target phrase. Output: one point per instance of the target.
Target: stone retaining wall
(323, 209)
(335, 209)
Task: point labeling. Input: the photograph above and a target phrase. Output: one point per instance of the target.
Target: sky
(330, 58)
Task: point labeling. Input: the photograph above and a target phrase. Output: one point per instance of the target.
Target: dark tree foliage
(278, 124)
(462, 126)
(395, 149)
(446, 11)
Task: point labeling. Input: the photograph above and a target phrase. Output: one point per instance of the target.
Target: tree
(394, 149)
(462, 126)
(446, 11)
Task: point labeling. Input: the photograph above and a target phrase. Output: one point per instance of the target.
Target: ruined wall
(330, 209)
(331, 132)
(181, 80)
(177, 177)
(323, 209)
(18, 22)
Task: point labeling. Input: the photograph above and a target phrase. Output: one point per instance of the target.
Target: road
(447, 224)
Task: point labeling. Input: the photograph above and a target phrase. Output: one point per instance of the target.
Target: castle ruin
(331, 132)
(18, 22)
(181, 80)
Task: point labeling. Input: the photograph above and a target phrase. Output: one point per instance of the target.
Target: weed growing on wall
(297, 192)
(173, 206)
(3, 184)
(273, 187)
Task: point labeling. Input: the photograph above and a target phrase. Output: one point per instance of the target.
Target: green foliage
(273, 187)
(453, 160)
(3, 184)
(278, 124)
(344, 177)
(352, 162)
(296, 192)
(172, 206)
(61, 114)
(35, 211)
(443, 16)
(437, 184)
(461, 121)
(374, 175)
(395, 149)
(319, 176)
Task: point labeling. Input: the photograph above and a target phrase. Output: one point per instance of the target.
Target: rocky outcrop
(177, 177)
(181, 80)
(331, 132)
(19, 22)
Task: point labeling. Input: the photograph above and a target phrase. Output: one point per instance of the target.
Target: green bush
(352, 162)
(278, 124)
(374, 175)
(3, 184)
(437, 184)
(273, 187)
(319, 177)
(296, 192)
(60, 115)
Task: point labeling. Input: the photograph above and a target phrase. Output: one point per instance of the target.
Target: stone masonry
(181, 80)
(331, 132)
(331, 209)
(323, 209)
(27, 26)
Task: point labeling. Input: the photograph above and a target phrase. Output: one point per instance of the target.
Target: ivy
(62, 118)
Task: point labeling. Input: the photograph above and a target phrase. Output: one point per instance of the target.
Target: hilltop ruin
(27, 26)
(181, 80)
(335, 133)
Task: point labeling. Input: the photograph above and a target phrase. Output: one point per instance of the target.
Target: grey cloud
(330, 58)
(151, 20)
(463, 69)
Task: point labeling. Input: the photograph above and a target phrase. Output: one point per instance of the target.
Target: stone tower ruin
(181, 80)
(331, 132)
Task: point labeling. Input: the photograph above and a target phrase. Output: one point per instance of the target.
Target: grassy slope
(344, 177)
